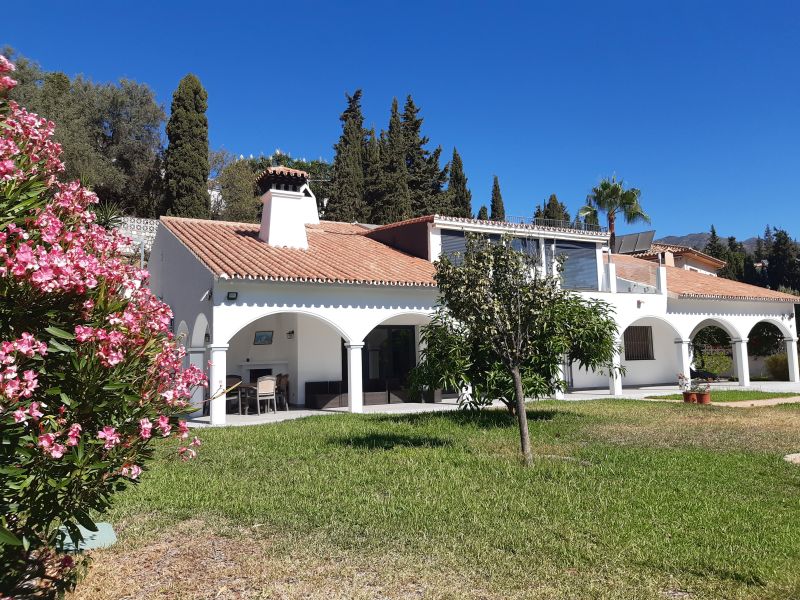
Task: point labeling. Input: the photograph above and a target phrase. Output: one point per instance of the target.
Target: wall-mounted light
(639, 303)
(290, 335)
(207, 338)
(232, 296)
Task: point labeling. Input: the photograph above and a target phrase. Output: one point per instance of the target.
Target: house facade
(338, 306)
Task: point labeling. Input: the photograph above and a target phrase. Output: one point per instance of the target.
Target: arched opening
(306, 348)
(712, 355)
(182, 337)
(391, 351)
(201, 333)
(649, 354)
(767, 356)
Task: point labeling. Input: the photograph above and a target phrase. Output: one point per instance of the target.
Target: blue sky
(696, 103)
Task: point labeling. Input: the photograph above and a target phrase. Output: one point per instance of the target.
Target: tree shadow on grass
(390, 441)
(484, 419)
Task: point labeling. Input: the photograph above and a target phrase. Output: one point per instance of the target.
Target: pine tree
(714, 247)
(553, 210)
(483, 213)
(238, 189)
(347, 194)
(783, 261)
(460, 198)
(186, 161)
(498, 210)
(425, 178)
(394, 203)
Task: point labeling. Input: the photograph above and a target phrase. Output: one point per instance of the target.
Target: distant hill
(699, 240)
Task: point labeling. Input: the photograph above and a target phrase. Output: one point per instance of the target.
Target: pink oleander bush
(90, 374)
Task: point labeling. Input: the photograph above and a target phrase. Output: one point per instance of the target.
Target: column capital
(682, 341)
(739, 340)
(354, 345)
(790, 339)
(196, 349)
(213, 347)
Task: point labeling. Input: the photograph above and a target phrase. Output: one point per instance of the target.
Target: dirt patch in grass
(196, 561)
(721, 428)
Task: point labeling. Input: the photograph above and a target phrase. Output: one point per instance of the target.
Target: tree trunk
(612, 221)
(522, 418)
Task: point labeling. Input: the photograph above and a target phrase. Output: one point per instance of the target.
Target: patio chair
(235, 395)
(265, 390)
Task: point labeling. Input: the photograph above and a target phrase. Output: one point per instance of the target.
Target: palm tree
(611, 197)
(109, 214)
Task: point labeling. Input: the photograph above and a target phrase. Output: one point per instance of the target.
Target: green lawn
(729, 395)
(626, 499)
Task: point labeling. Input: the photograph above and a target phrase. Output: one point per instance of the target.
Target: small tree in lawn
(504, 329)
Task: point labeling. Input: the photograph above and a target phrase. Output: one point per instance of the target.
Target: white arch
(419, 317)
(199, 331)
(654, 317)
(297, 311)
(777, 322)
(723, 324)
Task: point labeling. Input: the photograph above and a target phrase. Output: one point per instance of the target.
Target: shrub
(89, 373)
(717, 362)
(778, 367)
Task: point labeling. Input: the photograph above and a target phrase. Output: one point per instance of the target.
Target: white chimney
(289, 205)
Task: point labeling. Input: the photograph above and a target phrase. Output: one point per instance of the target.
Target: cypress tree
(186, 160)
(483, 213)
(498, 210)
(394, 203)
(425, 178)
(460, 201)
(347, 194)
(553, 210)
(374, 180)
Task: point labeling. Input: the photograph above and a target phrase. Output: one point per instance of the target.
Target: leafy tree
(395, 200)
(553, 210)
(513, 326)
(347, 193)
(425, 178)
(783, 269)
(715, 247)
(186, 163)
(736, 258)
(460, 201)
(110, 133)
(611, 197)
(765, 339)
(239, 195)
(483, 213)
(320, 174)
(498, 210)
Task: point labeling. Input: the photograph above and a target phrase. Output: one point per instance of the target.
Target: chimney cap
(281, 175)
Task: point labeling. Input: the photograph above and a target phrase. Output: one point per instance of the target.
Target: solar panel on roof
(626, 244)
(644, 241)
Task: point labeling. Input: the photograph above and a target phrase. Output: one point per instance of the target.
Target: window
(639, 343)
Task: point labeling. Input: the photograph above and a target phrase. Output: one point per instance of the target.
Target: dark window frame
(638, 343)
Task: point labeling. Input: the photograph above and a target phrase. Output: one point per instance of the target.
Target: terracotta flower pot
(690, 397)
(704, 397)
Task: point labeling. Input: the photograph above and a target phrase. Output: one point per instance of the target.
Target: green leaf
(8, 538)
(59, 346)
(59, 333)
(84, 519)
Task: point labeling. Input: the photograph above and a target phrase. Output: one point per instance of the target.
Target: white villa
(338, 306)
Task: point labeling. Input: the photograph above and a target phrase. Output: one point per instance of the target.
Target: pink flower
(47, 442)
(164, 426)
(74, 434)
(33, 411)
(57, 451)
(186, 453)
(131, 471)
(183, 430)
(145, 428)
(196, 441)
(19, 414)
(110, 435)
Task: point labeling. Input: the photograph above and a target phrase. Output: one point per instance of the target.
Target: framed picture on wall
(262, 338)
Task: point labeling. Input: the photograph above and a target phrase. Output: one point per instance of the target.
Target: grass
(732, 395)
(626, 499)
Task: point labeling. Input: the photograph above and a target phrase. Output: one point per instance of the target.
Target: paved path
(765, 402)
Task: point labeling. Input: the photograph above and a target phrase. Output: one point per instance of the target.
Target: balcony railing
(556, 224)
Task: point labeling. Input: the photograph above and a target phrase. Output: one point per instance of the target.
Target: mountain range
(699, 240)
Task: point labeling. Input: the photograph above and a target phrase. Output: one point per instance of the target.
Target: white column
(742, 365)
(542, 256)
(611, 273)
(615, 378)
(791, 354)
(216, 382)
(661, 279)
(684, 362)
(355, 389)
(197, 358)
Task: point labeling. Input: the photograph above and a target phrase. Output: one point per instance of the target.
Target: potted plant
(702, 392)
(685, 384)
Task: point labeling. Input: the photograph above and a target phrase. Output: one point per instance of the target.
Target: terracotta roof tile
(337, 253)
(689, 284)
(656, 249)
